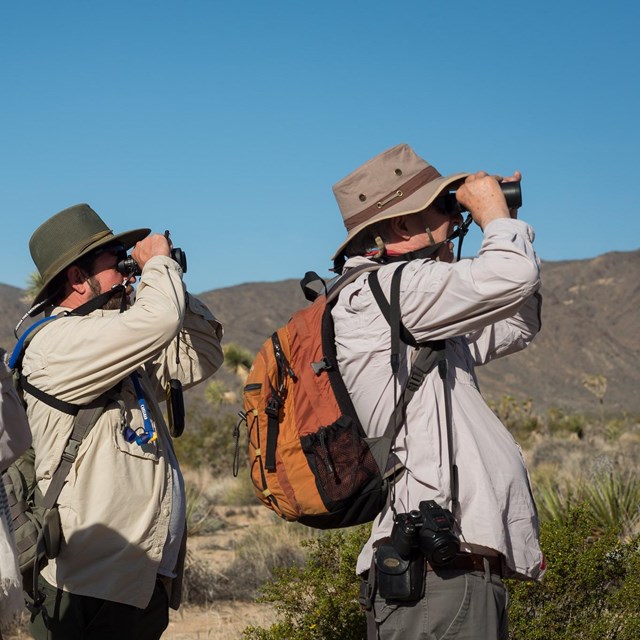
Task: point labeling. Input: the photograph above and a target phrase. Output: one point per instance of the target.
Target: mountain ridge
(590, 328)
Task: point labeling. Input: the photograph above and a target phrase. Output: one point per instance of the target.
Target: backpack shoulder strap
(387, 309)
(85, 420)
(429, 355)
(333, 288)
(15, 364)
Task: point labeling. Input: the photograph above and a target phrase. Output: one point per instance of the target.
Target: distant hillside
(590, 318)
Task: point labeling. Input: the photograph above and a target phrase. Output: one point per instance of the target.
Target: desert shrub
(560, 422)
(201, 585)
(612, 498)
(591, 588)
(238, 491)
(209, 441)
(318, 600)
(260, 554)
(201, 518)
(517, 416)
(590, 591)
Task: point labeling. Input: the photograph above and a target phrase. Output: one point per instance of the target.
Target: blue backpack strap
(15, 364)
(18, 350)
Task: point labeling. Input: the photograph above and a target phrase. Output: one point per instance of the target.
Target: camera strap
(429, 354)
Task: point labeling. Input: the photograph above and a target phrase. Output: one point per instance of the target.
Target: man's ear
(76, 278)
(399, 228)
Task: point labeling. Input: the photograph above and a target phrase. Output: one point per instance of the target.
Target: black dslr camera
(429, 530)
(129, 267)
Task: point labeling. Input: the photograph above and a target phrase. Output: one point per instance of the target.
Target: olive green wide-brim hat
(69, 235)
(395, 183)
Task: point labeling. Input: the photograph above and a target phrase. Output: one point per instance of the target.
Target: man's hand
(153, 245)
(482, 196)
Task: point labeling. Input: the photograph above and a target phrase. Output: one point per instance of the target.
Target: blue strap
(17, 350)
(149, 434)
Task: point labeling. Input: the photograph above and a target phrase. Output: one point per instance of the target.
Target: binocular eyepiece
(511, 190)
(127, 266)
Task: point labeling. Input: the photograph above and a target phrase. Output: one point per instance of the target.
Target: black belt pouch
(399, 579)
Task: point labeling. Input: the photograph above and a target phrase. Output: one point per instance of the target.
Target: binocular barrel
(512, 192)
(129, 267)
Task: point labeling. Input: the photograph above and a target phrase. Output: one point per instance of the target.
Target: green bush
(559, 422)
(319, 600)
(517, 415)
(591, 589)
(208, 441)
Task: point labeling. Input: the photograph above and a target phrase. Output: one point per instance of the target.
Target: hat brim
(417, 201)
(128, 239)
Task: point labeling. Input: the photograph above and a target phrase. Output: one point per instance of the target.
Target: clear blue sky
(228, 122)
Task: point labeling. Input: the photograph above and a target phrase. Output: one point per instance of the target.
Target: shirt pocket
(131, 417)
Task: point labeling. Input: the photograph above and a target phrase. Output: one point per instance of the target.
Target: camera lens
(437, 541)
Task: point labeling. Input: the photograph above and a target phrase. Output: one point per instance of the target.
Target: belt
(471, 562)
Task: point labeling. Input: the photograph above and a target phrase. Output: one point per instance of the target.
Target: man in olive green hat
(122, 508)
(427, 576)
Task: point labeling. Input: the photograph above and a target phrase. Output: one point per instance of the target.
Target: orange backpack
(310, 458)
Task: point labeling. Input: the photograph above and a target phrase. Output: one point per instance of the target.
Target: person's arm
(78, 358)
(509, 335)
(15, 435)
(440, 300)
(195, 353)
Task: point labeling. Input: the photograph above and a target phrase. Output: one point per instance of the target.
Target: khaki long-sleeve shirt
(117, 503)
(486, 308)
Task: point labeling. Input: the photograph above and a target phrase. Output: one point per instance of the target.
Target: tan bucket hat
(69, 235)
(395, 183)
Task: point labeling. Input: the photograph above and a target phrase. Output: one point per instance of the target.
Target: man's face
(105, 276)
(440, 225)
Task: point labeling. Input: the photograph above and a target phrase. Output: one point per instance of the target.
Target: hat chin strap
(427, 252)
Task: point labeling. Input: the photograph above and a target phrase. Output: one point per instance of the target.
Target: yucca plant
(238, 360)
(614, 499)
(34, 284)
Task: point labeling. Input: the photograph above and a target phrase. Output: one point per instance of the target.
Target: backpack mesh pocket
(340, 460)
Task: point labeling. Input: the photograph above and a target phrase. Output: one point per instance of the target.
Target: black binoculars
(511, 190)
(129, 267)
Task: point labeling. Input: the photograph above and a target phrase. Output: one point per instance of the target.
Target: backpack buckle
(71, 450)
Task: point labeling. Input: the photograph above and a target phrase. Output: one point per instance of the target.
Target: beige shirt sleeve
(195, 353)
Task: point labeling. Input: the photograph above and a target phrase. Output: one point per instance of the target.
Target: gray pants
(462, 605)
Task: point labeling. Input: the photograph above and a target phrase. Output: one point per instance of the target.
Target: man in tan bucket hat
(459, 462)
(122, 507)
